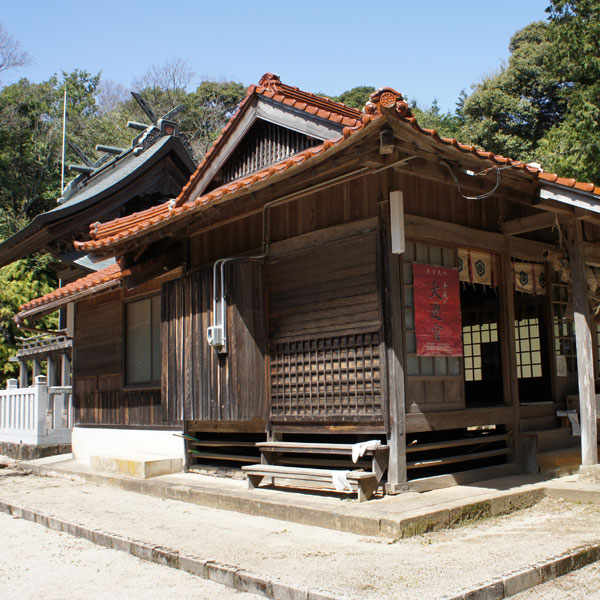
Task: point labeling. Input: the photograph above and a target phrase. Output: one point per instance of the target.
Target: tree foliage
(446, 124)
(544, 104)
(511, 110)
(20, 282)
(572, 147)
(356, 97)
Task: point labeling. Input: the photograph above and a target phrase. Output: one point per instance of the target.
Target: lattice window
(480, 350)
(528, 348)
(564, 330)
(327, 377)
(424, 365)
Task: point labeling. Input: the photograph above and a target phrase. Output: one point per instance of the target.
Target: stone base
(396, 488)
(589, 473)
(140, 467)
(31, 452)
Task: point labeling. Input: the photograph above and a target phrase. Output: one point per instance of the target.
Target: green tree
(509, 111)
(29, 151)
(207, 111)
(446, 124)
(572, 147)
(356, 97)
(20, 282)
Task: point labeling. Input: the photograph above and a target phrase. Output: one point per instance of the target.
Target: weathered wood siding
(197, 382)
(324, 328)
(266, 143)
(99, 397)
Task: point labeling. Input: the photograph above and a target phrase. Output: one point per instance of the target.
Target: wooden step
(552, 439)
(222, 444)
(313, 448)
(483, 440)
(537, 423)
(365, 482)
(219, 456)
(565, 461)
(447, 460)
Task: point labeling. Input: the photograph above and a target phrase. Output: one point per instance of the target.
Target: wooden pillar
(391, 289)
(510, 381)
(37, 368)
(583, 341)
(23, 379)
(65, 372)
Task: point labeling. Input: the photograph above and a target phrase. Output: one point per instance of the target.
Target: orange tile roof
(383, 101)
(88, 284)
(270, 86)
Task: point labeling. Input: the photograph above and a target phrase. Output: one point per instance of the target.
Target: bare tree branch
(11, 54)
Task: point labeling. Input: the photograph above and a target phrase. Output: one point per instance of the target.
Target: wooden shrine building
(333, 275)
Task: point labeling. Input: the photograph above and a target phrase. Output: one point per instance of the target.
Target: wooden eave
(345, 158)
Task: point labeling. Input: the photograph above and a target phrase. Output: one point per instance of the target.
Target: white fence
(35, 415)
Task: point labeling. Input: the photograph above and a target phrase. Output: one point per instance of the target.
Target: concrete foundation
(104, 442)
(31, 452)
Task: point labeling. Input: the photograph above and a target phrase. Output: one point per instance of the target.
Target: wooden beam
(583, 342)
(442, 231)
(525, 224)
(321, 236)
(454, 419)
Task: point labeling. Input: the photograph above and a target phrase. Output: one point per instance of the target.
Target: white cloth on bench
(340, 481)
(359, 449)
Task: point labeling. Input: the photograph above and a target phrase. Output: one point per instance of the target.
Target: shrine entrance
(480, 308)
(532, 348)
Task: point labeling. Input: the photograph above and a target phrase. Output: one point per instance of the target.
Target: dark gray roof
(92, 196)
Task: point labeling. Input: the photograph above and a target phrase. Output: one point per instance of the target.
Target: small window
(142, 341)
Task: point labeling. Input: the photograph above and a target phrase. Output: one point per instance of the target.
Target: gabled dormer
(273, 122)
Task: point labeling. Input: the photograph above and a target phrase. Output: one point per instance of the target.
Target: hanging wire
(484, 172)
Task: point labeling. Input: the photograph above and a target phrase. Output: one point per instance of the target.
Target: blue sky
(426, 50)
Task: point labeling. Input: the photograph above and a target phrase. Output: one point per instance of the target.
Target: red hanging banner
(437, 311)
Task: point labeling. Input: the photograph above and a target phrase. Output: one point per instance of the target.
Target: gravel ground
(36, 562)
(427, 566)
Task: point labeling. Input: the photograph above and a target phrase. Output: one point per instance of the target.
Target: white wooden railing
(37, 414)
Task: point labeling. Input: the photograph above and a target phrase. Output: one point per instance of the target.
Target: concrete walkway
(294, 559)
(393, 517)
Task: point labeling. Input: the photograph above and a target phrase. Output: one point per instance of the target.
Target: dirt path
(427, 566)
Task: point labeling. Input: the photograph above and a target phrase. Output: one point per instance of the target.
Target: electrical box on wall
(397, 222)
(214, 336)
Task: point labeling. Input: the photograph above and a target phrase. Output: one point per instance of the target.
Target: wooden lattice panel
(333, 378)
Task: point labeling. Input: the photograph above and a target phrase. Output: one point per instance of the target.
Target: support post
(583, 341)
(509, 360)
(23, 380)
(391, 289)
(51, 371)
(37, 368)
(65, 375)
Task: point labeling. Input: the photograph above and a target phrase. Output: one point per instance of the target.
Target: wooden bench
(364, 482)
